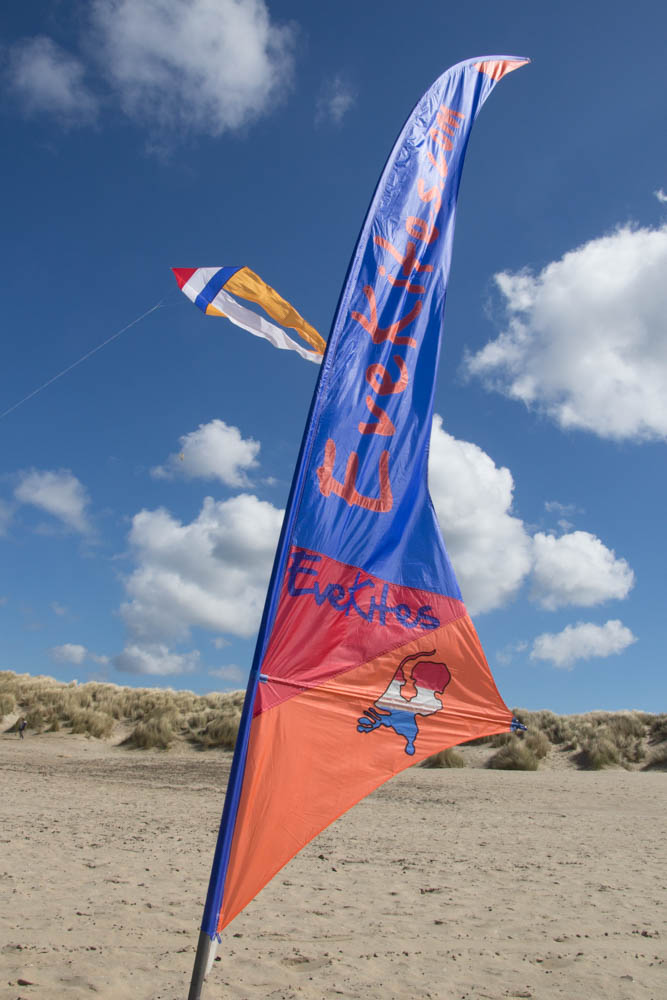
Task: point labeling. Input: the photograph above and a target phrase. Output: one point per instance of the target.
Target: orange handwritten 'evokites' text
(423, 232)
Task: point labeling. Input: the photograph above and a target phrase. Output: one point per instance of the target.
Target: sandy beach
(453, 884)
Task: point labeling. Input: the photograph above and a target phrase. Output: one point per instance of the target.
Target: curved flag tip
(498, 68)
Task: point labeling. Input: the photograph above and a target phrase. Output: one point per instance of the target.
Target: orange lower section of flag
(315, 755)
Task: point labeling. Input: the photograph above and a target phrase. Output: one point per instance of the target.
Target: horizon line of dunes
(158, 718)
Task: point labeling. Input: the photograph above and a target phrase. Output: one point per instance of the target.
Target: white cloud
(661, 196)
(577, 568)
(219, 642)
(566, 510)
(508, 652)
(210, 573)
(196, 65)
(586, 341)
(582, 642)
(70, 652)
(155, 659)
(45, 78)
(58, 493)
(489, 547)
(335, 100)
(214, 451)
(492, 551)
(231, 674)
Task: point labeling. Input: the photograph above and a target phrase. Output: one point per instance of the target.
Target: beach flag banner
(366, 660)
(215, 291)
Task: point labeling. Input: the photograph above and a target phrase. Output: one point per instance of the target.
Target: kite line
(85, 357)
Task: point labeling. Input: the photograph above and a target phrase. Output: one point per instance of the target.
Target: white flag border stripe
(260, 327)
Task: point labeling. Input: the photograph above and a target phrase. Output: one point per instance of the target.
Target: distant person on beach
(22, 725)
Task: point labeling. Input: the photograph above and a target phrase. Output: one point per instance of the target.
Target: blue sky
(144, 135)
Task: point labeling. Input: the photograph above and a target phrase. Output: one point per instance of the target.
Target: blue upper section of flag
(362, 497)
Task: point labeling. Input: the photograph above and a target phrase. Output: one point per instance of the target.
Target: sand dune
(446, 884)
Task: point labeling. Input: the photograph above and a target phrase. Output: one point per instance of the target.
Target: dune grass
(7, 703)
(658, 729)
(158, 730)
(591, 741)
(158, 718)
(657, 760)
(150, 718)
(597, 740)
(515, 755)
(444, 758)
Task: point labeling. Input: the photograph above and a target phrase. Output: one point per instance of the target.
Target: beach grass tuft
(444, 758)
(157, 731)
(658, 728)
(597, 751)
(537, 742)
(7, 703)
(657, 760)
(514, 756)
(91, 722)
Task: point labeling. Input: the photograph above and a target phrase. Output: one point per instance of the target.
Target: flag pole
(203, 963)
(208, 933)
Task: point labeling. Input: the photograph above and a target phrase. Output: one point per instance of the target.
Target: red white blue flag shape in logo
(408, 697)
(366, 660)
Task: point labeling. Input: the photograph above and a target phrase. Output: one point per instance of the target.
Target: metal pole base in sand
(204, 959)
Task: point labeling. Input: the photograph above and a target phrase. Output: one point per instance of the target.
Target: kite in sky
(366, 659)
(215, 290)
